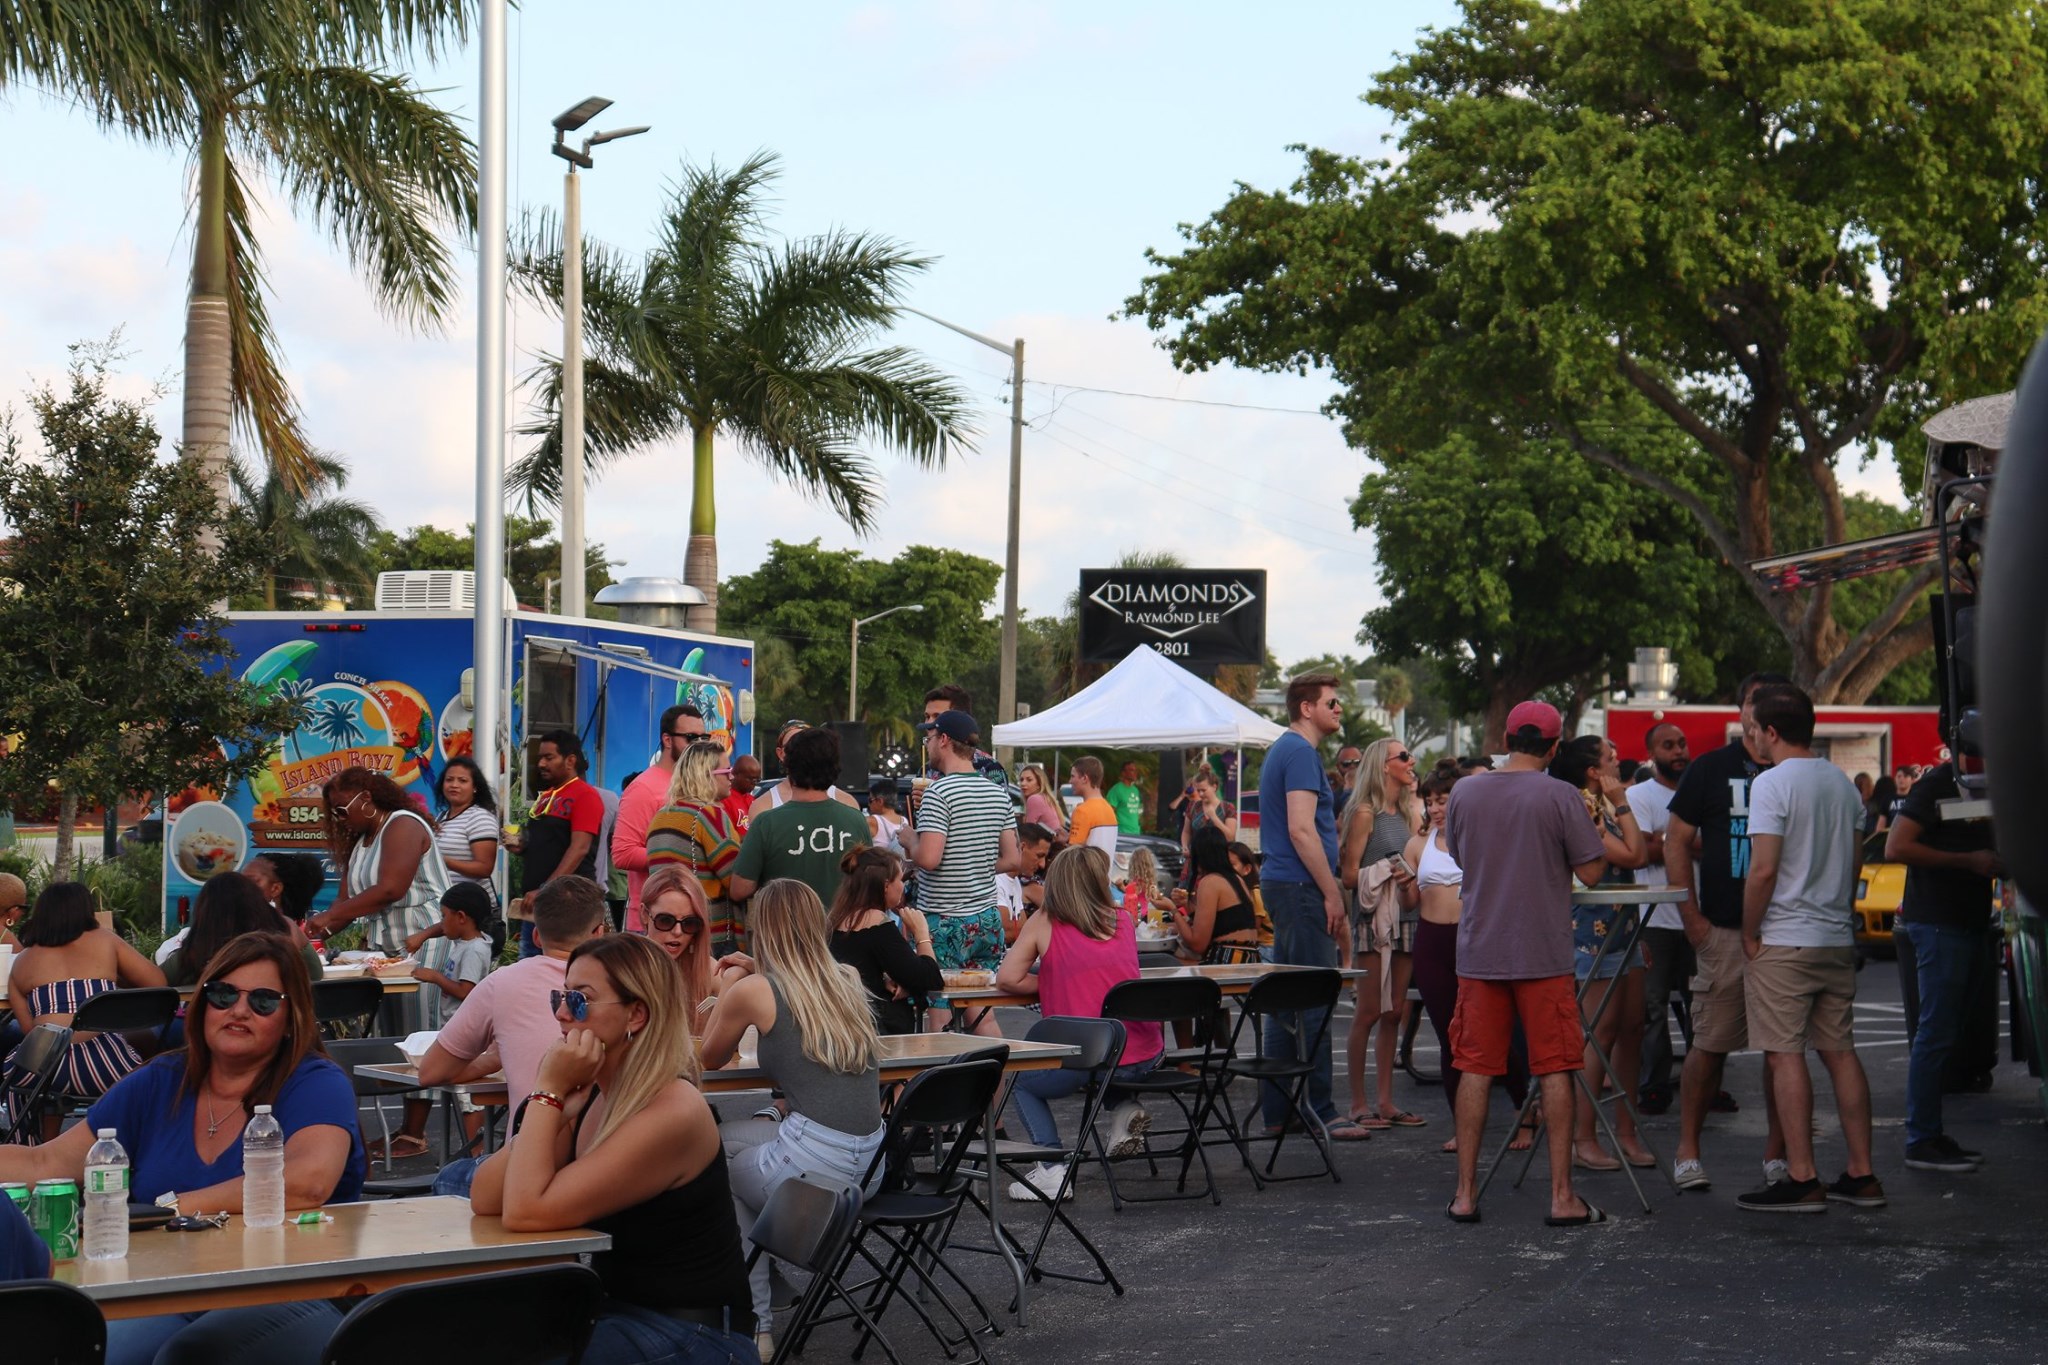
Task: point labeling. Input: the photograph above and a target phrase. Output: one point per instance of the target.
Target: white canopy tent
(1145, 702)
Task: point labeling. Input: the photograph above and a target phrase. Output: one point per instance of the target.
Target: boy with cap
(1520, 837)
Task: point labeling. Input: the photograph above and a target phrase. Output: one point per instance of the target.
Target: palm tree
(313, 535)
(335, 722)
(288, 91)
(718, 331)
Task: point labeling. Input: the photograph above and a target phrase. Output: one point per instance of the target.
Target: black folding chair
(914, 1211)
(808, 1222)
(347, 1007)
(139, 1009)
(44, 1322)
(1297, 991)
(1162, 1000)
(350, 1053)
(35, 1061)
(509, 1317)
(1101, 1044)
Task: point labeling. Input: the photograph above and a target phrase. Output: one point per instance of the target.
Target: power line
(1197, 459)
(1174, 398)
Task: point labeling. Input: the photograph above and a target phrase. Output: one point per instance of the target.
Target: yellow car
(1879, 889)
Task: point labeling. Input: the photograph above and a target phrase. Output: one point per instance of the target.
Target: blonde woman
(679, 923)
(693, 830)
(1382, 815)
(1082, 945)
(616, 1137)
(1041, 802)
(817, 1044)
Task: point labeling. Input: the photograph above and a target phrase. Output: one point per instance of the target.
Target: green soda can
(53, 1212)
(17, 1194)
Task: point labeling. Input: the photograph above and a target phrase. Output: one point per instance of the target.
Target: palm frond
(613, 289)
(894, 398)
(383, 169)
(622, 411)
(813, 299)
(266, 411)
(705, 250)
(818, 465)
(134, 66)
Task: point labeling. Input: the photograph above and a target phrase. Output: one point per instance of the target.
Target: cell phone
(1401, 860)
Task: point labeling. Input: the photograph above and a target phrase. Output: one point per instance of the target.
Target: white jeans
(761, 1154)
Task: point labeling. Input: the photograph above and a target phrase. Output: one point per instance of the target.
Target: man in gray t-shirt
(1520, 836)
(1805, 821)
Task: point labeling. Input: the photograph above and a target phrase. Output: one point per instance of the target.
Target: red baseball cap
(1539, 716)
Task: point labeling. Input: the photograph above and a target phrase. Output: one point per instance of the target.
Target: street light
(566, 122)
(1006, 673)
(853, 670)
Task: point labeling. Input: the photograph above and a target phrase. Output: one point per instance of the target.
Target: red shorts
(1485, 1020)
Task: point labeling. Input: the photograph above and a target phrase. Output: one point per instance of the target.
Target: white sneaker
(1128, 1123)
(1690, 1174)
(1044, 1179)
(1774, 1171)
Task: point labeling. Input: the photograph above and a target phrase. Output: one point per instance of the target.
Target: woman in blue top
(251, 1039)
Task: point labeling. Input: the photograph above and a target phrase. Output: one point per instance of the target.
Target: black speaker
(853, 754)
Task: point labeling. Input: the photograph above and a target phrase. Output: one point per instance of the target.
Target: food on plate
(970, 976)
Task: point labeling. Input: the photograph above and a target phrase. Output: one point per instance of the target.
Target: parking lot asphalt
(1370, 1269)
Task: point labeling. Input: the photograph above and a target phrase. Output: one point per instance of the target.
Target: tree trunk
(209, 345)
(67, 830)
(1494, 726)
(700, 562)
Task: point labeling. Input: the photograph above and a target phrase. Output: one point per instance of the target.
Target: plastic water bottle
(106, 1199)
(263, 1171)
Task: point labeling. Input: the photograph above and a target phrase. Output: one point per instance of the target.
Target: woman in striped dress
(693, 830)
(393, 876)
(66, 959)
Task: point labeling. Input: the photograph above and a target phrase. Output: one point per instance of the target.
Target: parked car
(1880, 887)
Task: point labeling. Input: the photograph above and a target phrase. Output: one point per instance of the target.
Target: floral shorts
(960, 942)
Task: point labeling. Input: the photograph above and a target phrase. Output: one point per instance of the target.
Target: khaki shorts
(1719, 1021)
(1802, 998)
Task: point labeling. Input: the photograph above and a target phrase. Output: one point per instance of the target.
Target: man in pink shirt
(681, 726)
(507, 1019)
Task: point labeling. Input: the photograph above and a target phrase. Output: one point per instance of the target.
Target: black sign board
(1197, 617)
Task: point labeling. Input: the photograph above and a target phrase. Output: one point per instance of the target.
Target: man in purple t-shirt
(1520, 836)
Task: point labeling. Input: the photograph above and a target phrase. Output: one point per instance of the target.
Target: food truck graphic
(390, 691)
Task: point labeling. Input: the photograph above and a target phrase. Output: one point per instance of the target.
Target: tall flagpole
(490, 399)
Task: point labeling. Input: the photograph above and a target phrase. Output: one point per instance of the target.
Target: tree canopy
(1714, 246)
(805, 599)
(112, 663)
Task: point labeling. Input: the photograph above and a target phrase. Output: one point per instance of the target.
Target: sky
(1035, 149)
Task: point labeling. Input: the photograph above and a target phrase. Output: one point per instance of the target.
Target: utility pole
(488, 715)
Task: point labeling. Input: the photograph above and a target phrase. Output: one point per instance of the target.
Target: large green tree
(1781, 232)
(806, 600)
(289, 93)
(718, 330)
(318, 544)
(113, 667)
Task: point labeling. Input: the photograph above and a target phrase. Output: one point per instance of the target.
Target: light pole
(488, 716)
(853, 668)
(572, 338)
(1006, 672)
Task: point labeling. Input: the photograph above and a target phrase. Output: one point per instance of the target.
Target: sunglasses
(668, 924)
(220, 995)
(579, 1003)
(685, 734)
(1403, 757)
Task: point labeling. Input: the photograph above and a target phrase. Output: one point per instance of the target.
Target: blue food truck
(392, 690)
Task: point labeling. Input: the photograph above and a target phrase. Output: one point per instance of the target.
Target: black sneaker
(1941, 1154)
(1723, 1103)
(1861, 1190)
(1654, 1102)
(1787, 1196)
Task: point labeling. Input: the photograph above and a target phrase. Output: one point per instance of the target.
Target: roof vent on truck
(432, 590)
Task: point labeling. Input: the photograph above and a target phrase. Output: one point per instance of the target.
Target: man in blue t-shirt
(1299, 883)
(22, 1254)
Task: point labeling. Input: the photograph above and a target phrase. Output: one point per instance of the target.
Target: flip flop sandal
(1347, 1130)
(1451, 1212)
(1372, 1123)
(404, 1147)
(1401, 1118)
(1581, 1220)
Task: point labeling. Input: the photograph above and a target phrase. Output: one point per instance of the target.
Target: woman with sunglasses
(1382, 815)
(393, 873)
(617, 1137)
(250, 1039)
(819, 1047)
(695, 831)
(678, 923)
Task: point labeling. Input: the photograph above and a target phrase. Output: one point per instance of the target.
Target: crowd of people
(792, 916)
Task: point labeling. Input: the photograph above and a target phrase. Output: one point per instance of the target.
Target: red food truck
(1858, 739)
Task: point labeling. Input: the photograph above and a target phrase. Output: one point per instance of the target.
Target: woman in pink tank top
(1082, 945)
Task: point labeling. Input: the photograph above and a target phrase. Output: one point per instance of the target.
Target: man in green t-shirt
(1127, 799)
(807, 834)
